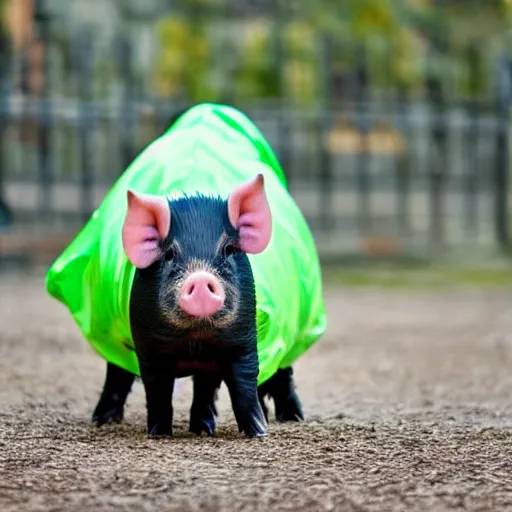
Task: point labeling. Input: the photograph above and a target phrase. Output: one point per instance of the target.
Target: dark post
(403, 166)
(279, 59)
(5, 61)
(472, 149)
(127, 129)
(279, 55)
(363, 177)
(324, 123)
(438, 171)
(42, 26)
(501, 180)
(84, 46)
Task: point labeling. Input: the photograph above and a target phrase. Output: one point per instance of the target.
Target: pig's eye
(229, 249)
(169, 255)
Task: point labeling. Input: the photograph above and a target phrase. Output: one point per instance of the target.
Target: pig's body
(211, 150)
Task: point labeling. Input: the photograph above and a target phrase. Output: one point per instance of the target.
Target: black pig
(193, 310)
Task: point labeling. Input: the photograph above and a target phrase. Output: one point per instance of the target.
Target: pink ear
(249, 212)
(147, 222)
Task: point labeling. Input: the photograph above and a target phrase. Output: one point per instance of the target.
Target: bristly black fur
(210, 214)
(199, 238)
(166, 339)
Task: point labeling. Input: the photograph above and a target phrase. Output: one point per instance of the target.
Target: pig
(198, 263)
(193, 310)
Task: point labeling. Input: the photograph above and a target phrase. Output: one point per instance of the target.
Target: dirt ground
(408, 400)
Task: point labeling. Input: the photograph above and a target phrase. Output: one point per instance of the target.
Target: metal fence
(408, 178)
(373, 169)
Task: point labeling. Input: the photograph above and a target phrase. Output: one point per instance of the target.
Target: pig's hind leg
(117, 386)
(203, 411)
(281, 387)
(264, 390)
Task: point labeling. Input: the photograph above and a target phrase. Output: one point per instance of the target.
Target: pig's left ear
(147, 222)
(249, 213)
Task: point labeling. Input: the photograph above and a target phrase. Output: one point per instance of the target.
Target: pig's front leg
(203, 411)
(117, 386)
(158, 375)
(241, 377)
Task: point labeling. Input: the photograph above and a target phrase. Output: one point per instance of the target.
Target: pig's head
(192, 252)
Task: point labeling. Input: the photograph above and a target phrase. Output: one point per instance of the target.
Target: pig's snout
(201, 295)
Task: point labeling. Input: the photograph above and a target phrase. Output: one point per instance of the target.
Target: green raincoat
(210, 149)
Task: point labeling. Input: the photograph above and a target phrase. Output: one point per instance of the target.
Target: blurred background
(391, 118)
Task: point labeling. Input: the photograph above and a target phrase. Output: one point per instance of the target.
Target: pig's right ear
(147, 222)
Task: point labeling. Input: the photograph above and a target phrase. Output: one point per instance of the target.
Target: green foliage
(256, 76)
(301, 65)
(281, 54)
(205, 52)
(184, 60)
(5, 47)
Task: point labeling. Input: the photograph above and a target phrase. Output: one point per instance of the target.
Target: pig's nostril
(211, 288)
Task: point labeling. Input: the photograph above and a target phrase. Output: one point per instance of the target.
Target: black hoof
(259, 433)
(255, 427)
(103, 415)
(160, 430)
(202, 419)
(264, 407)
(289, 410)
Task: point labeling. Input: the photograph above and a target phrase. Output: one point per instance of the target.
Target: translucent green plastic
(210, 149)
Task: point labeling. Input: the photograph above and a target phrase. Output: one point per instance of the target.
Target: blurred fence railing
(370, 177)
(384, 144)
